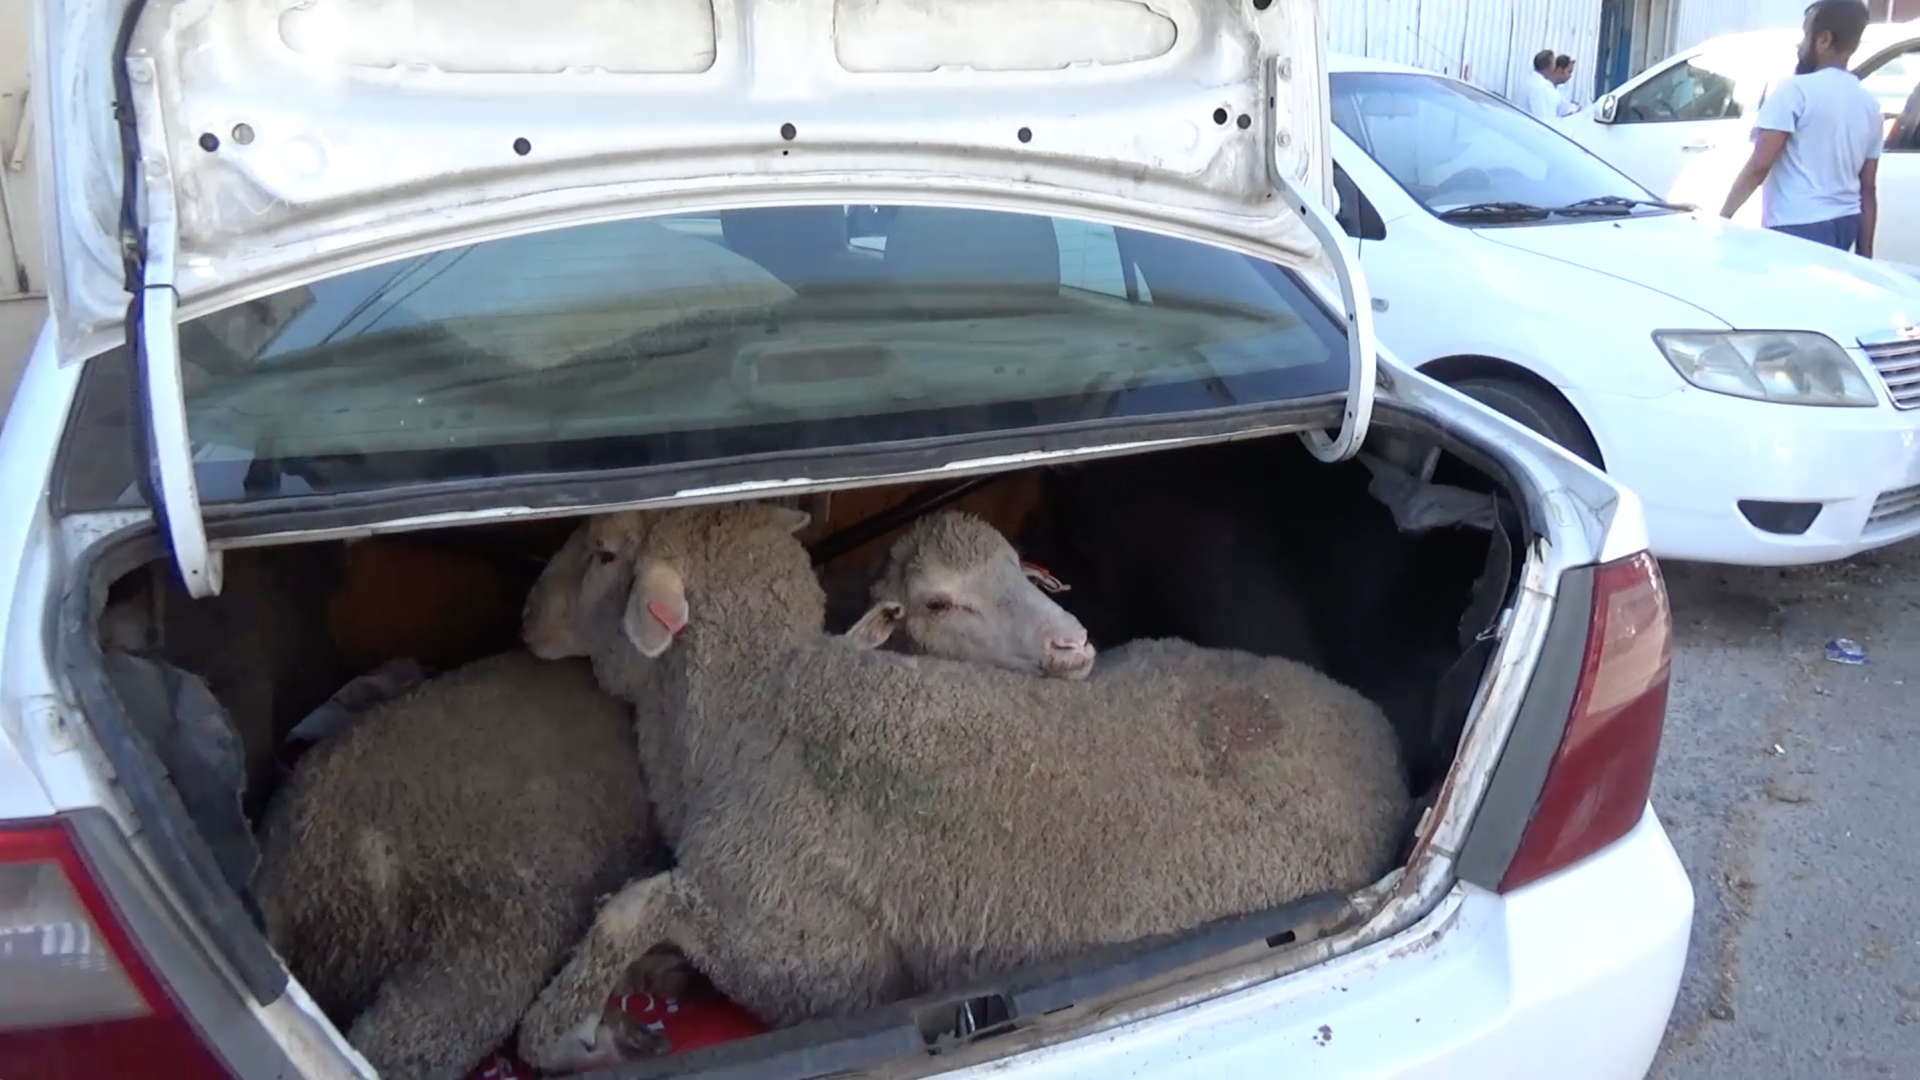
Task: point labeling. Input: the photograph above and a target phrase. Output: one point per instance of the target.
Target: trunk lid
(213, 151)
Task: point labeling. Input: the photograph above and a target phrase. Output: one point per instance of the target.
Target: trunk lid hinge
(1362, 360)
(153, 335)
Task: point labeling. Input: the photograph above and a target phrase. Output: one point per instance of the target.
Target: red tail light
(1597, 784)
(77, 1001)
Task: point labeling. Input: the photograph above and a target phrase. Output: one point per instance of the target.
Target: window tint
(700, 338)
(1451, 145)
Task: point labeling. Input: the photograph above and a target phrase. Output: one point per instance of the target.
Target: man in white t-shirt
(1540, 94)
(1816, 145)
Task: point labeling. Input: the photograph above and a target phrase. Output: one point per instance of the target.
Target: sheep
(992, 613)
(961, 592)
(951, 582)
(426, 869)
(862, 825)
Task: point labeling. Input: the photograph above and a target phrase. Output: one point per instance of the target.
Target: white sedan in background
(1683, 127)
(1760, 393)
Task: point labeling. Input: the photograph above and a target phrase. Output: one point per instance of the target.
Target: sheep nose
(1071, 657)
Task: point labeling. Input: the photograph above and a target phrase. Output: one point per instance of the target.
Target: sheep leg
(437, 1018)
(564, 1020)
(799, 954)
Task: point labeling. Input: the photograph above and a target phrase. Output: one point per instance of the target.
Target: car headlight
(1787, 366)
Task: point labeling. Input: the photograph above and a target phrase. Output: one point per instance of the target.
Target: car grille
(1894, 508)
(1898, 363)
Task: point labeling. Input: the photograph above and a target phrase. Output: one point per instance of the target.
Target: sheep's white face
(548, 625)
(990, 612)
(579, 587)
(611, 539)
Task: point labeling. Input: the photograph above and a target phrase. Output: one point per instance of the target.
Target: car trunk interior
(1250, 544)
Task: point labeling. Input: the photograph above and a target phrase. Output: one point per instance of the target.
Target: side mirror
(1605, 108)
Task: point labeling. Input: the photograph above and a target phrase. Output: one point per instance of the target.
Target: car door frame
(1899, 176)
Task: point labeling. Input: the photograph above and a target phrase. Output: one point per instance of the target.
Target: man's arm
(1766, 148)
(1869, 206)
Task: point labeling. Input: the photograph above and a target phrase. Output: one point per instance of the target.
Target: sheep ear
(876, 626)
(656, 611)
(1039, 576)
(791, 519)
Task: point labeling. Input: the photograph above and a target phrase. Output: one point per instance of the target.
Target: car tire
(1541, 411)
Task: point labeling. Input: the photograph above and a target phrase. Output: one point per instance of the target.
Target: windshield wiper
(1614, 204)
(1495, 211)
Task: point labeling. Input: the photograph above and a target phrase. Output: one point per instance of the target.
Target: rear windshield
(687, 339)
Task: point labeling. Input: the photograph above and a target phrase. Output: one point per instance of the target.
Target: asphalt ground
(1791, 787)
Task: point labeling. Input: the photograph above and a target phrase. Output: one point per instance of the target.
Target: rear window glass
(695, 338)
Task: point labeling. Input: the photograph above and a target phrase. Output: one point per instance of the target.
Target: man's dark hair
(1563, 61)
(1543, 60)
(1846, 20)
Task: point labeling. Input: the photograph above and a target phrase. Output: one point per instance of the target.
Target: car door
(1893, 76)
(1686, 109)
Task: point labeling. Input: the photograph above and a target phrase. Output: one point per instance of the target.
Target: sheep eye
(939, 604)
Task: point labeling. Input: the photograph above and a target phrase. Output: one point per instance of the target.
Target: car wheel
(1540, 410)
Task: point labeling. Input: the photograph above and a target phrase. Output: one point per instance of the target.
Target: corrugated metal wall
(1694, 21)
(1487, 42)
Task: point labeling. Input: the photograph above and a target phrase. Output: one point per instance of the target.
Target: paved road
(1791, 787)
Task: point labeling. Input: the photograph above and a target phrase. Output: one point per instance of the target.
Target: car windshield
(698, 338)
(1455, 148)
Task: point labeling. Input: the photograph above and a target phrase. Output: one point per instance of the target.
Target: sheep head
(959, 591)
(572, 600)
(548, 625)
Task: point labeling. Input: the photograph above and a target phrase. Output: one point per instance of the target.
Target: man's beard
(1808, 63)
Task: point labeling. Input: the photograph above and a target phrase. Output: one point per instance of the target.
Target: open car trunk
(1392, 574)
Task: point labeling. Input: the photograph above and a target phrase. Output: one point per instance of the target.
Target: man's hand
(1766, 149)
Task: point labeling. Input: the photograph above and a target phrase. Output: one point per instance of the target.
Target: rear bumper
(1572, 977)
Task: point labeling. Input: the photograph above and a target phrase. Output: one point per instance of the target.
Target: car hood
(280, 141)
(1749, 279)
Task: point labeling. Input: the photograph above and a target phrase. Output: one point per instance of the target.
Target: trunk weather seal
(1513, 791)
(162, 450)
(893, 1038)
(170, 835)
(1362, 347)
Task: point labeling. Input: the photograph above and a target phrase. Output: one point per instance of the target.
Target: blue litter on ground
(1846, 651)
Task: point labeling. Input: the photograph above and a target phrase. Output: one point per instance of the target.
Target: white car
(1759, 393)
(1683, 128)
(409, 275)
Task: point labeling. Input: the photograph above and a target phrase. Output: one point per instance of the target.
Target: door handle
(1698, 146)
